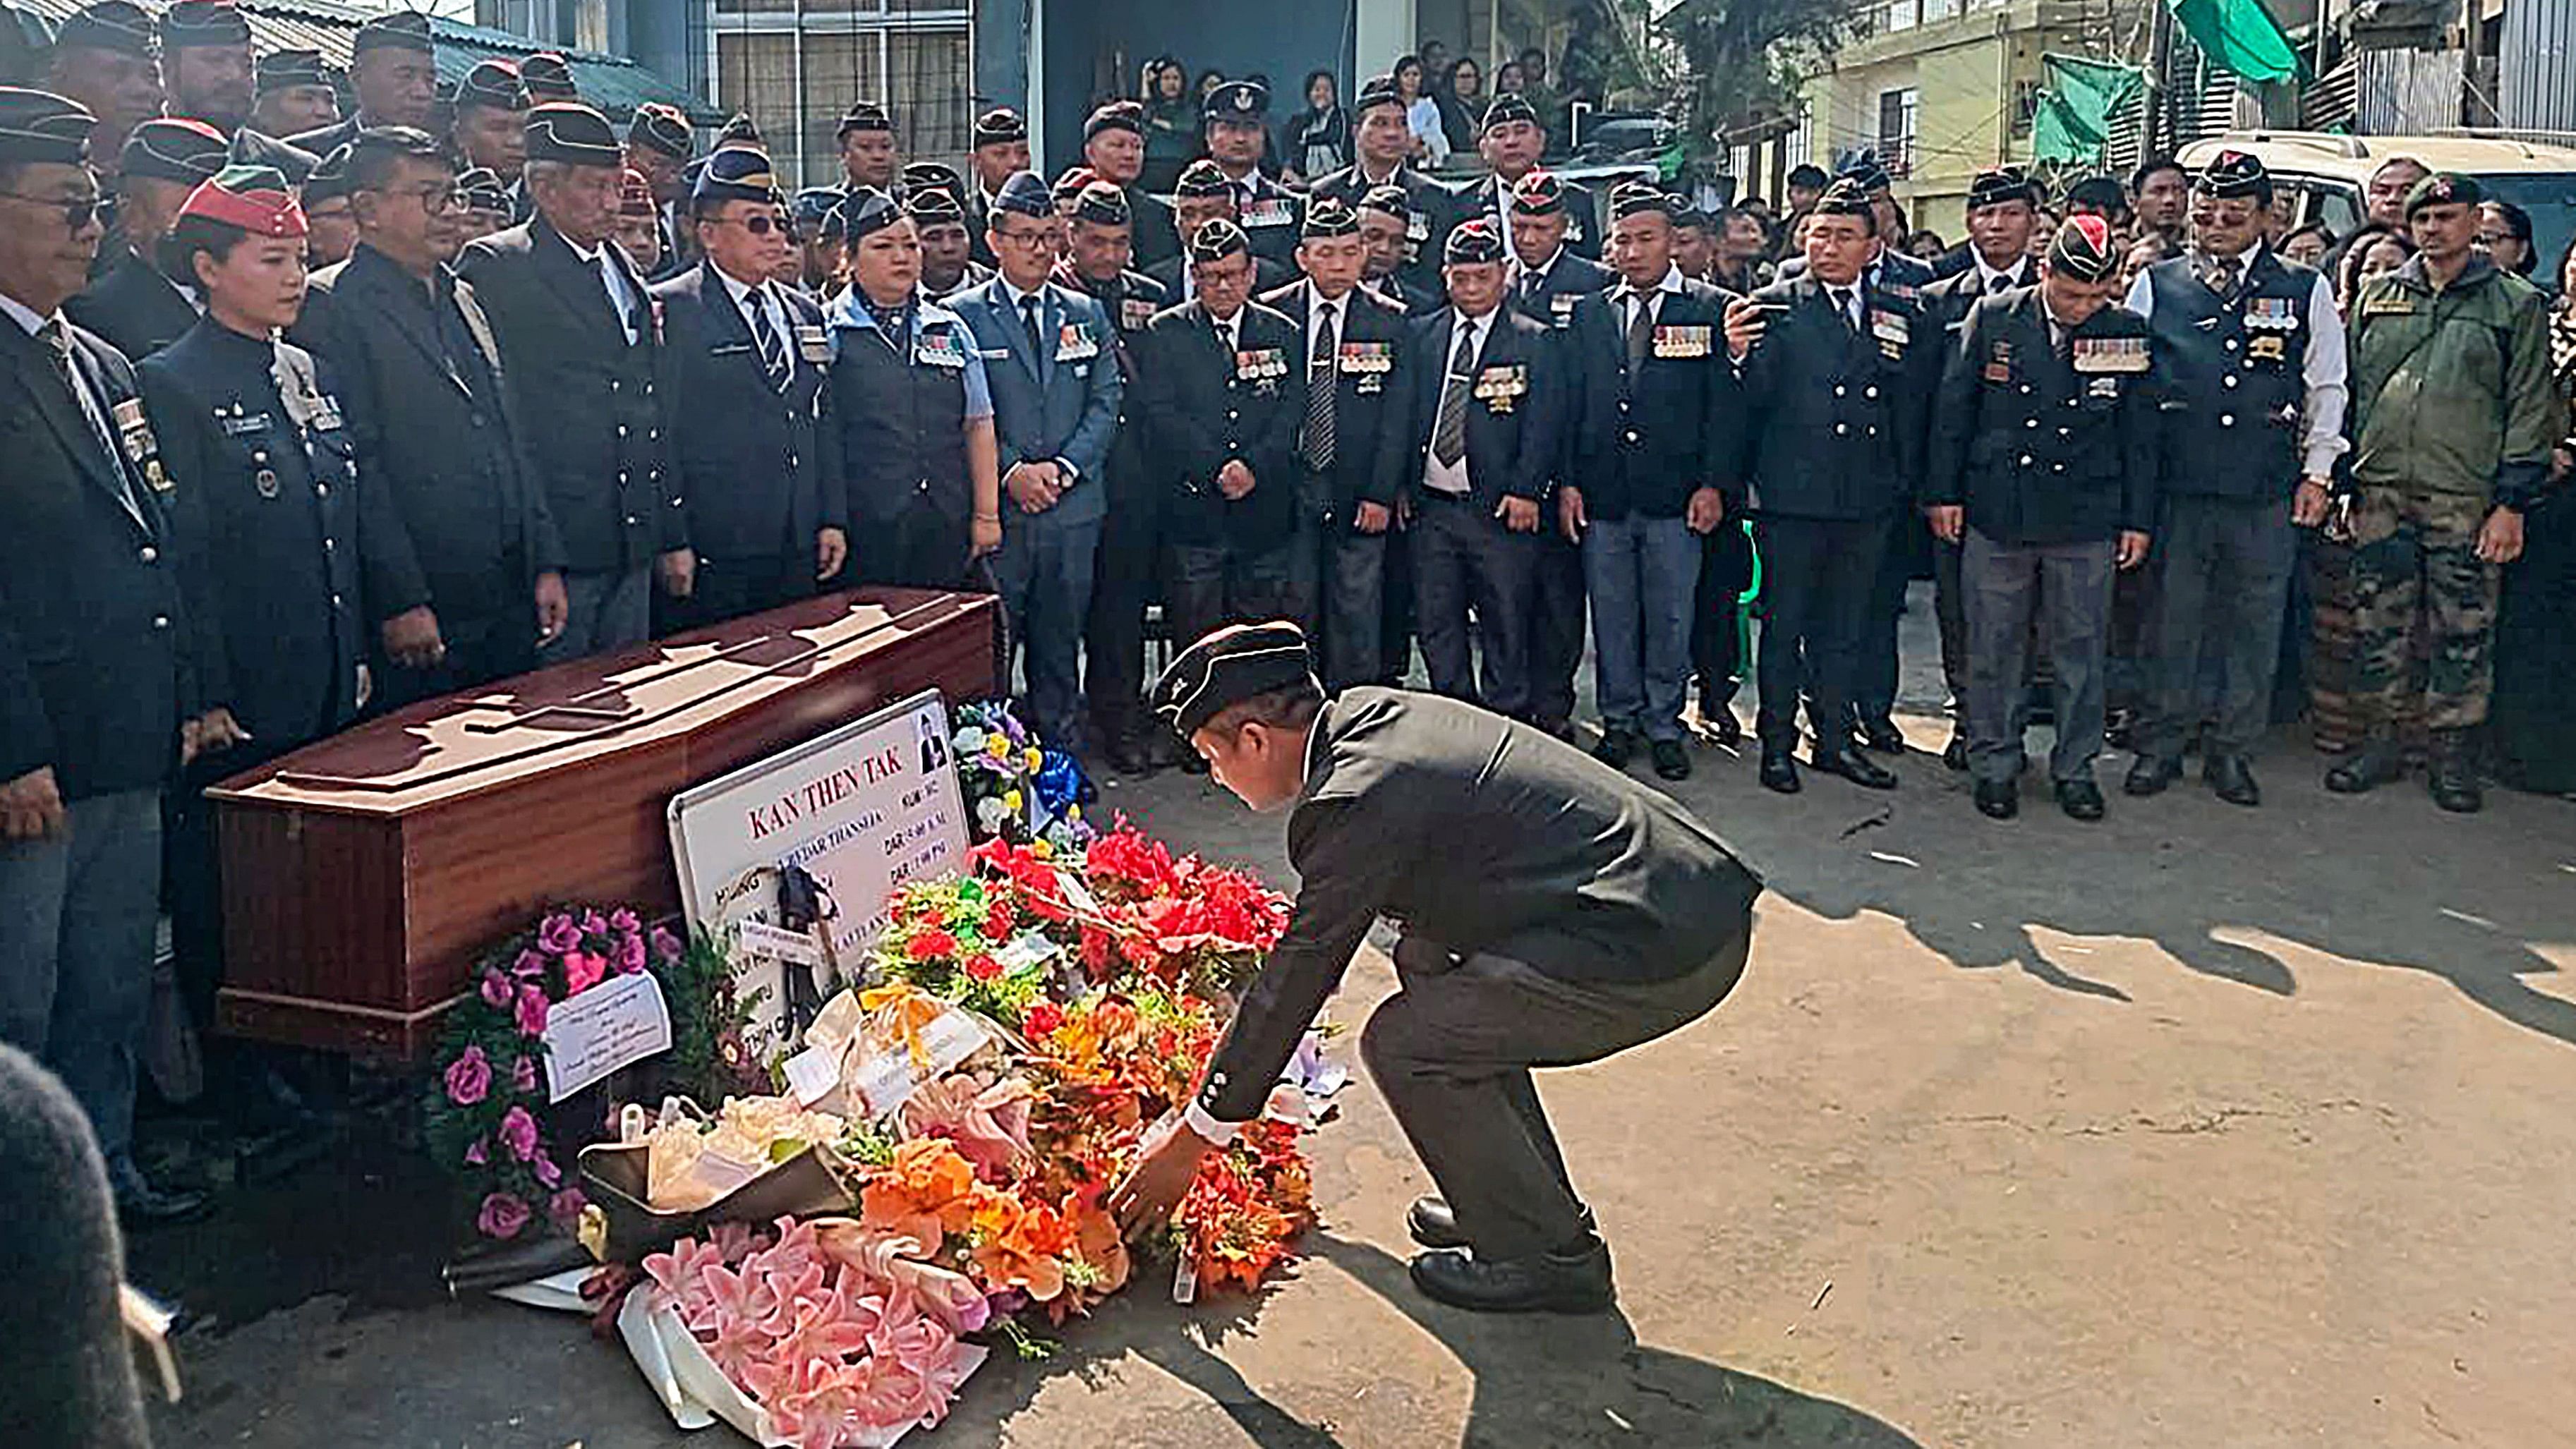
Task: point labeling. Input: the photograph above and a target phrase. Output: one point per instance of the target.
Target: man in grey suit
(1051, 359)
(1554, 912)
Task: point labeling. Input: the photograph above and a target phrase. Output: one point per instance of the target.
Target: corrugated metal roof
(613, 83)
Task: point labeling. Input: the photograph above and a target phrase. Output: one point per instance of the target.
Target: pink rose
(497, 991)
(519, 1133)
(529, 967)
(582, 971)
(594, 924)
(523, 1075)
(559, 934)
(565, 1207)
(503, 1215)
(532, 1011)
(547, 1172)
(469, 1077)
(666, 944)
(623, 922)
(630, 955)
(475, 1156)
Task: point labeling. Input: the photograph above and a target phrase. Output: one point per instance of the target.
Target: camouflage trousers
(2415, 565)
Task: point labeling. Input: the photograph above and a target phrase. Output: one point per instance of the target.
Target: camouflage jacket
(2451, 389)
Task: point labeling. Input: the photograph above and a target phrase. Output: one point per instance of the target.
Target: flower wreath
(485, 1105)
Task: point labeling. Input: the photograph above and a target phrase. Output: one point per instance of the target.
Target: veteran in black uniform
(393, 72)
(291, 94)
(2251, 352)
(583, 345)
(1384, 142)
(490, 131)
(2042, 467)
(99, 703)
(1224, 394)
(1836, 376)
(1387, 225)
(1202, 195)
(1652, 475)
(920, 463)
(1356, 443)
(1235, 124)
(1113, 146)
(206, 64)
(1553, 913)
(462, 565)
(759, 459)
(134, 305)
(1512, 140)
(1001, 150)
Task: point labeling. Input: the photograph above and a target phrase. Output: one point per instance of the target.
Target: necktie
(1641, 329)
(2222, 277)
(773, 348)
(1320, 387)
(58, 350)
(1845, 299)
(1029, 319)
(1998, 281)
(1449, 430)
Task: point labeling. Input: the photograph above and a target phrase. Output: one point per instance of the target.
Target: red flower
(931, 945)
(1042, 1019)
(983, 967)
(997, 920)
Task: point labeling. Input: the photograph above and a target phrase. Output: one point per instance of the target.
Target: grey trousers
(2069, 586)
(609, 611)
(2223, 589)
(78, 913)
(1452, 1052)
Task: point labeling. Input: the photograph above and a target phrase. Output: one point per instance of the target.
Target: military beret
(1070, 185)
(662, 129)
(329, 178)
(1115, 116)
(1538, 194)
(864, 116)
(734, 173)
(1203, 178)
(863, 213)
(2233, 173)
(1865, 172)
(174, 149)
(1509, 108)
(1243, 100)
(1845, 197)
(932, 176)
(741, 127)
(203, 22)
(494, 84)
(2444, 188)
(1023, 194)
(1389, 198)
(395, 30)
(479, 185)
(118, 25)
(1102, 204)
(635, 194)
(1807, 173)
(286, 69)
(1326, 217)
(1218, 240)
(2098, 193)
(41, 128)
(253, 199)
(548, 77)
(1998, 186)
(1236, 663)
(572, 133)
(2083, 249)
(933, 204)
(1377, 90)
(1637, 198)
(814, 203)
(1000, 126)
(1473, 242)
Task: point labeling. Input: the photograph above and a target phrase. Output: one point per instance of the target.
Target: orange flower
(1019, 1245)
(928, 1190)
(1100, 1250)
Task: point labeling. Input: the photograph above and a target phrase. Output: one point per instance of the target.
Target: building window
(1899, 112)
(1935, 11)
(796, 85)
(1899, 15)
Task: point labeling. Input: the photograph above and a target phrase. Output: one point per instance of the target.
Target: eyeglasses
(78, 211)
(434, 200)
(1034, 236)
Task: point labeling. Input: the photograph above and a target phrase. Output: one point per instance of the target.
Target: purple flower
(666, 944)
(559, 934)
(532, 1011)
(503, 1215)
(547, 1172)
(623, 922)
(496, 991)
(565, 1207)
(519, 1133)
(594, 924)
(630, 955)
(469, 1077)
(523, 1075)
(475, 1155)
(529, 966)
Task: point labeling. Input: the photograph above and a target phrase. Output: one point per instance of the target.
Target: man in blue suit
(1049, 355)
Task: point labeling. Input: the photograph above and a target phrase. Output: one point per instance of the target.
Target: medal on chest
(1262, 367)
(1682, 341)
(1999, 362)
(2111, 355)
(1366, 364)
(1501, 388)
(939, 348)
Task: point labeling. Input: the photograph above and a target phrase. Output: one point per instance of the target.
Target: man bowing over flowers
(1553, 912)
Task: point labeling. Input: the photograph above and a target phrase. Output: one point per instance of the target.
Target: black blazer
(1583, 232)
(1648, 442)
(1898, 274)
(1204, 408)
(1945, 303)
(1267, 275)
(1834, 417)
(1435, 211)
(1515, 429)
(451, 515)
(1569, 279)
(760, 468)
(1373, 395)
(97, 659)
(133, 308)
(2044, 449)
(1156, 235)
(594, 402)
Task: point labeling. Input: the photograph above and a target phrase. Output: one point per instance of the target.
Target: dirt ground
(2201, 1126)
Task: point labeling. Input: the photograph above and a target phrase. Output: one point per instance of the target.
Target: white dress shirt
(2324, 366)
(2016, 275)
(771, 308)
(1451, 478)
(621, 301)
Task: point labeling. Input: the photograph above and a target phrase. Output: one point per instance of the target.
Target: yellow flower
(1041, 850)
(998, 746)
(1036, 758)
(1011, 801)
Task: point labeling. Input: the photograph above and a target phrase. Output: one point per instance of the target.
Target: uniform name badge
(1501, 388)
(2391, 304)
(134, 434)
(813, 344)
(2271, 314)
(1269, 211)
(1262, 367)
(1682, 341)
(938, 349)
(2114, 354)
(1999, 363)
(1074, 343)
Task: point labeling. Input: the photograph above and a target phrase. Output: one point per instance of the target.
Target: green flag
(2075, 107)
(2238, 36)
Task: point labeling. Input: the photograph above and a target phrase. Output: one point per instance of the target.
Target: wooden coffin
(363, 873)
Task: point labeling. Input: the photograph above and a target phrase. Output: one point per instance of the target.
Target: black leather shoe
(1672, 762)
(140, 1204)
(1616, 746)
(1882, 735)
(1779, 771)
(2454, 780)
(1854, 766)
(1998, 799)
(2374, 765)
(1719, 723)
(1576, 1282)
(1954, 755)
(2150, 776)
(1431, 1224)
(2080, 799)
(2232, 778)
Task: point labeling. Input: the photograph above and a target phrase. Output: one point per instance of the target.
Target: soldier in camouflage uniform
(2454, 417)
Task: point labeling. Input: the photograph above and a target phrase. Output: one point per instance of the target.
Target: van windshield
(2550, 197)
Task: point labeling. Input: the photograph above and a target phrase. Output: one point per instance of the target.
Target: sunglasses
(758, 225)
(78, 211)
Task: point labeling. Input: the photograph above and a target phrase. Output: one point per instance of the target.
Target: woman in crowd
(2308, 244)
(1171, 123)
(2326, 588)
(1421, 113)
(1317, 140)
(1508, 79)
(2533, 717)
(1462, 105)
(2504, 229)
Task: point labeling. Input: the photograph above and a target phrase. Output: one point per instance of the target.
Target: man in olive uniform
(1836, 374)
(582, 343)
(1236, 126)
(1224, 392)
(1113, 146)
(1379, 133)
(2250, 358)
(393, 71)
(2454, 415)
(2042, 469)
(1553, 913)
(133, 305)
(1512, 142)
(206, 61)
(292, 94)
